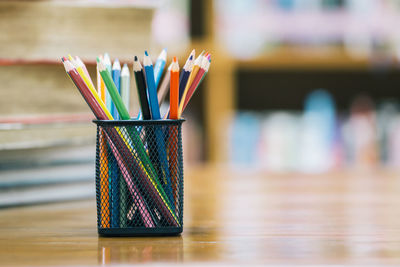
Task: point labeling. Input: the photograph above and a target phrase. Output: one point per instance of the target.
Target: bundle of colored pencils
(109, 100)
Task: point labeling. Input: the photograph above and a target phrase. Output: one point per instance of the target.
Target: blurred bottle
(279, 138)
(360, 133)
(244, 140)
(317, 133)
(387, 112)
(393, 143)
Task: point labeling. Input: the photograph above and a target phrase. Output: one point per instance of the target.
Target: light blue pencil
(159, 66)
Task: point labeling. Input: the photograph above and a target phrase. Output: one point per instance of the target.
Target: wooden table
(240, 217)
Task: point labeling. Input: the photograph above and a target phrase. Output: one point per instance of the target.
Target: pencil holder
(139, 177)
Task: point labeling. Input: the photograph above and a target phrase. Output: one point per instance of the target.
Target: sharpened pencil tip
(174, 59)
(191, 57)
(98, 59)
(136, 59)
(116, 65)
(145, 52)
(63, 59)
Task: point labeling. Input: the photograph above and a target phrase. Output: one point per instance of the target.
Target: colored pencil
(151, 87)
(184, 76)
(141, 89)
(164, 87)
(125, 82)
(101, 88)
(115, 174)
(173, 130)
(159, 66)
(116, 74)
(192, 75)
(104, 183)
(80, 63)
(174, 90)
(161, 160)
(107, 63)
(205, 65)
(125, 92)
(104, 175)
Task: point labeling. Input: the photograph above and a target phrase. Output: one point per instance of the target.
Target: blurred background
(302, 86)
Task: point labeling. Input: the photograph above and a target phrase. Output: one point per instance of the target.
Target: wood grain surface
(239, 217)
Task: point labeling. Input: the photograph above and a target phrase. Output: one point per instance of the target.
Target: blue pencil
(159, 66)
(162, 160)
(116, 74)
(151, 87)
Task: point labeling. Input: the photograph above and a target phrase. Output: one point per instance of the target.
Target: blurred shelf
(290, 57)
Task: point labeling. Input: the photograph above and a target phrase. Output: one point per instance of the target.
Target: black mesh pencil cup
(139, 177)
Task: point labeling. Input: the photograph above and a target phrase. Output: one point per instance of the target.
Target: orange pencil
(104, 182)
(173, 132)
(101, 87)
(174, 90)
